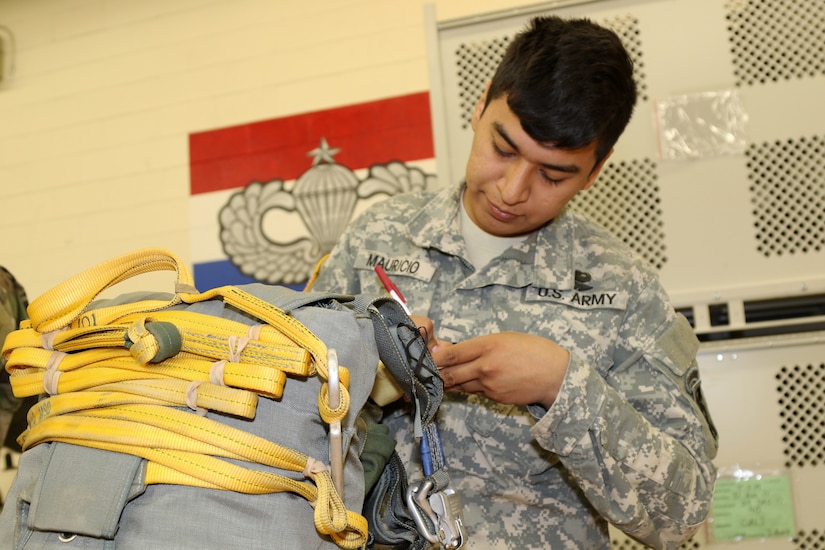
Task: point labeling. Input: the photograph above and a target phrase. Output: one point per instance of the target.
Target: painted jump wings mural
(271, 198)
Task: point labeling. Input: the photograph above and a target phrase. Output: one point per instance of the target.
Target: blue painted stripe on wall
(223, 272)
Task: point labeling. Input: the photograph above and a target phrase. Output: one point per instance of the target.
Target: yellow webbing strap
(315, 271)
(385, 389)
(108, 391)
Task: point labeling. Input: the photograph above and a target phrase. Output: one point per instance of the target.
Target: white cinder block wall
(95, 119)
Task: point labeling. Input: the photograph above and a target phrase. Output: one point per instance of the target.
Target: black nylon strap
(404, 353)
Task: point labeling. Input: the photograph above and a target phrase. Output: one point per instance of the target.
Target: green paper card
(758, 506)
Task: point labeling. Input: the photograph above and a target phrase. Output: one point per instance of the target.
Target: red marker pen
(391, 288)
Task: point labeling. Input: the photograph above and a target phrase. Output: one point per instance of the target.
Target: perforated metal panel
(627, 202)
(776, 40)
(627, 544)
(813, 540)
(801, 388)
(627, 27)
(475, 64)
(788, 193)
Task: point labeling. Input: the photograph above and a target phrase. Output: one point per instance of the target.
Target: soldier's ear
(479, 109)
(595, 172)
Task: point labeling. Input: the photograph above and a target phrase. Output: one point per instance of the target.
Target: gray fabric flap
(83, 490)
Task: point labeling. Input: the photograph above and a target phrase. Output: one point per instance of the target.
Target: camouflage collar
(546, 256)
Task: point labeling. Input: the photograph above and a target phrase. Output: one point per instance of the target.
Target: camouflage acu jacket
(13, 304)
(628, 440)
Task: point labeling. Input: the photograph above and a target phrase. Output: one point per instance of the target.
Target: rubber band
(216, 373)
(236, 347)
(254, 332)
(47, 339)
(185, 288)
(192, 397)
(52, 374)
(314, 467)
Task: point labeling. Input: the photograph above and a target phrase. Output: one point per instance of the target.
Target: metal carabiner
(447, 508)
(336, 442)
(417, 503)
(442, 509)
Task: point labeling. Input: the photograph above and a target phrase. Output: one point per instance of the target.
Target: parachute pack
(231, 418)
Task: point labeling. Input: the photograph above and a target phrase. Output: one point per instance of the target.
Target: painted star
(323, 153)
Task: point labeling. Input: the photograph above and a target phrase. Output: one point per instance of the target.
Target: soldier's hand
(507, 367)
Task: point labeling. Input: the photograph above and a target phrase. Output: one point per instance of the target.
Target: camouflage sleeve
(379, 226)
(13, 304)
(639, 440)
(336, 274)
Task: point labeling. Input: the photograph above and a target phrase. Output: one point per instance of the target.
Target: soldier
(13, 304)
(574, 395)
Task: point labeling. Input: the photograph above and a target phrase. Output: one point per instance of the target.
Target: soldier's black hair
(570, 83)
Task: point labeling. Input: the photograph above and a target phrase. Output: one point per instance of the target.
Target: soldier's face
(515, 184)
